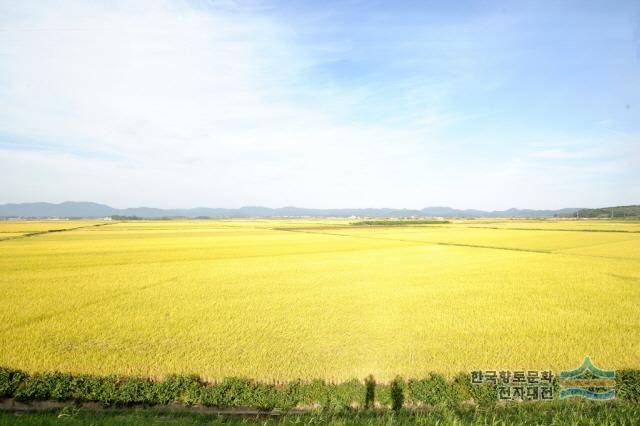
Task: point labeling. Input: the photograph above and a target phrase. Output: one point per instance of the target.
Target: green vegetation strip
(556, 413)
(414, 394)
(399, 222)
(555, 230)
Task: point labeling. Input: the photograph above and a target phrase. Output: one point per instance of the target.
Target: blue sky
(470, 104)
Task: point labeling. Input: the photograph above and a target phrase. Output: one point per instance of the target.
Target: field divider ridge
(51, 231)
(419, 242)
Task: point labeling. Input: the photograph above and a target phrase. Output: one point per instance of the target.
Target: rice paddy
(288, 299)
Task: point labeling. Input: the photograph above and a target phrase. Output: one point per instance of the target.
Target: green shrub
(34, 388)
(182, 389)
(262, 396)
(56, 386)
(136, 390)
(106, 390)
(86, 388)
(10, 380)
(331, 397)
(291, 395)
(343, 395)
(628, 385)
(235, 392)
(310, 393)
(61, 386)
(463, 390)
(383, 395)
(434, 391)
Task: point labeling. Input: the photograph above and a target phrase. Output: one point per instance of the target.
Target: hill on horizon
(75, 209)
(611, 212)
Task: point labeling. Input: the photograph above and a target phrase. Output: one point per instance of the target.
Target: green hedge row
(234, 392)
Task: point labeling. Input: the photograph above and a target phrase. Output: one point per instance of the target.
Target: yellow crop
(12, 229)
(286, 299)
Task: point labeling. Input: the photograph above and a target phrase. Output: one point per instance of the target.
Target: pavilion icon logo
(588, 381)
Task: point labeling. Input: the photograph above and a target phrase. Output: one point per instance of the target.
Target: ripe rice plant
(305, 299)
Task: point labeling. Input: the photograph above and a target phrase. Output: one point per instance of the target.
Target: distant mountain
(73, 209)
(66, 209)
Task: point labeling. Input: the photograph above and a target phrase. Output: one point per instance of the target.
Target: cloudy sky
(469, 104)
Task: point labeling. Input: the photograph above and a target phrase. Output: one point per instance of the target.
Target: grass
(240, 298)
(523, 414)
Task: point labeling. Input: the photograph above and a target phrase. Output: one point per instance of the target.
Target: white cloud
(170, 106)
(158, 103)
(560, 154)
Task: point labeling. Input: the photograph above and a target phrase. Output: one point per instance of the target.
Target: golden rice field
(290, 299)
